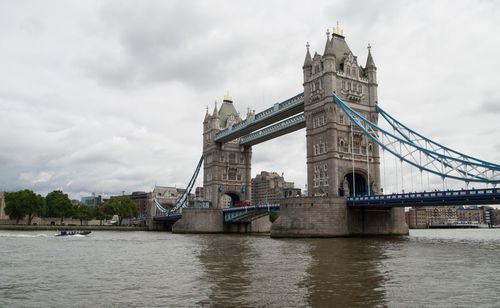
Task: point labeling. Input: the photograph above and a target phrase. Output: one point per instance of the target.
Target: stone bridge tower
(227, 167)
(340, 160)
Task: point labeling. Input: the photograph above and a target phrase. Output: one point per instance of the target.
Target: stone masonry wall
(200, 221)
(330, 217)
(377, 221)
(311, 217)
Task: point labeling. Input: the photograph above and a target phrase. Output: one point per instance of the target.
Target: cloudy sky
(109, 96)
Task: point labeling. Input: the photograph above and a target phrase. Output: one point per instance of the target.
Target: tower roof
(340, 48)
(227, 110)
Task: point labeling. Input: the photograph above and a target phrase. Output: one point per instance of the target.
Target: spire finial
(337, 30)
(369, 47)
(228, 98)
(307, 46)
(328, 33)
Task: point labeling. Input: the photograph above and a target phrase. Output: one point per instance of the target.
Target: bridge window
(242, 159)
(232, 174)
(343, 84)
(209, 176)
(316, 69)
(320, 176)
(341, 119)
(318, 121)
(348, 71)
(232, 158)
(356, 147)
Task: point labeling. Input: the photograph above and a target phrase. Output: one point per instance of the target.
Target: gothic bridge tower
(340, 160)
(227, 167)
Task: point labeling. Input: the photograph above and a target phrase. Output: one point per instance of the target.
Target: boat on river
(72, 233)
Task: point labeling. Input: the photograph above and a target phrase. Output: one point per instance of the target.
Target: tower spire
(216, 112)
(329, 45)
(307, 60)
(369, 61)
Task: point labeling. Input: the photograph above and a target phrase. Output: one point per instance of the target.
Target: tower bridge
(339, 109)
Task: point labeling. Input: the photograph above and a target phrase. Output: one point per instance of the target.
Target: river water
(145, 269)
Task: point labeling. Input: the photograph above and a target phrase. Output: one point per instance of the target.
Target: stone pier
(330, 217)
(196, 220)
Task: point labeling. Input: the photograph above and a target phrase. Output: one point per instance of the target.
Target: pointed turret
(369, 61)
(307, 60)
(216, 112)
(328, 46)
(207, 116)
(371, 74)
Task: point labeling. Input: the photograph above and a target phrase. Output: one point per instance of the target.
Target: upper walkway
(280, 111)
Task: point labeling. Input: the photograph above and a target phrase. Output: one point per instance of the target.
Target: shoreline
(70, 228)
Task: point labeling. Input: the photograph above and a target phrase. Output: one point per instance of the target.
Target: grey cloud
(490, 106)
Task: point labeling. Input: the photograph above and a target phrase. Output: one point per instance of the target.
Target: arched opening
(230, 199)
(359, 184)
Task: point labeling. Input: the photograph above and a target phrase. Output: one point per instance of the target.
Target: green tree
(23, 203)
(83, 212)
(121, 206)
(58, 205)
(273, 216)
(98, 213)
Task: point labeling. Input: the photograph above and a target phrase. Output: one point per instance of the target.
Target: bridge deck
(436, 198)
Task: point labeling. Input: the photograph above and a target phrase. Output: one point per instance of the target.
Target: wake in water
(22, 235)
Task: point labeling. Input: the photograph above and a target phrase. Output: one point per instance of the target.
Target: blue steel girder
(434, 198)
(431, 160)
(278, 112)
(279, 129)
(236, 214)
(427, 143)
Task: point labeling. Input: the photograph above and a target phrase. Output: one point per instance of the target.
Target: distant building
(417, 218)
(471, 213)
(270, 188)
(199, 193)
(140, 199)
(422, 217)
(441, 213)
(167, 196)
(91, 200)
(2, 206)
